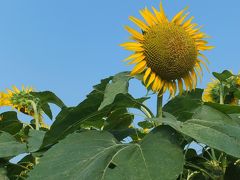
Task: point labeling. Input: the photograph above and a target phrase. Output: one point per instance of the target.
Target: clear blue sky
(68, 46)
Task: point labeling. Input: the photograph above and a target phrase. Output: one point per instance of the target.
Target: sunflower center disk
(170, 52)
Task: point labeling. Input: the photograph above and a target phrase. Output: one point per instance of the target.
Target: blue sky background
(68, 46)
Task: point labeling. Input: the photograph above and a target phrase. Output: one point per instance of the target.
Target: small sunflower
(238, 80)
(212, 91)
(18, 99)
(167, 51)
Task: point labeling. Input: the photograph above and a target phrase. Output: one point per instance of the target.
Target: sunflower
(212, 91)
(167, 52)
(18, 99)
(238, 80)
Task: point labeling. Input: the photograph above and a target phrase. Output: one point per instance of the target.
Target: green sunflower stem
(221, 93)
(159, 109)
(36, 114)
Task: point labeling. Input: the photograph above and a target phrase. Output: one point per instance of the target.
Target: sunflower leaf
(184, 106)
(72, 116)
(49, 97)
(98, 155)
(222, 76)
(72, 119)
(35, 140)
(119, 85)
(9, 122)
(9, 146)
(211, 128)
(225, 108)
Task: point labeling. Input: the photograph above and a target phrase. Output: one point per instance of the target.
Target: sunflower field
(195, 135)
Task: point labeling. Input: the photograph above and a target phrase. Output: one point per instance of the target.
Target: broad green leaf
(222, 76)
(35, 140)
(225, 108)
(9, 146)
(184, 106)
(99, 156)
(235, 117)
(119, 85)
(208, 113)
(71, 119)
(121, 134)
(9, 122)
(118, 119)
(49, 97)
(47, 110)
(216, 134)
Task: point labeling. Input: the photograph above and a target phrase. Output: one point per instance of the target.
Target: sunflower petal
(138, 68)
(192, 32)
(139, 23)
(199, 36)
(151, 79)
(180, 21)
(204, 48)
(188, 23)
(201, 42)
(133, 56)
(148, 71)
(148, 16)
(178, 16)
(174, 87)
(155, 84)
(161, 84)
(180, 86)
(198, 73)
(136, 35)
(132, 46)
(163, 16)
(137, 60)
(171, 89)
(194, 78)
(205, 65)
(15, 89)
(204, 57)
(157, 14)
(187, 83)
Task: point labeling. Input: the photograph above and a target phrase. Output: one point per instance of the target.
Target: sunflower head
(167, 52)
(19, 99)
(212, 91)
(237, 80)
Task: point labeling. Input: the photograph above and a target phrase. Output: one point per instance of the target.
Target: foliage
(100, 138)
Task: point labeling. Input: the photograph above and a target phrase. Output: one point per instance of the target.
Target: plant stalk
(36, 114)
(159, 109)
(221, 93)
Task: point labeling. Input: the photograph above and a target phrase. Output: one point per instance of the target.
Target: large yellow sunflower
(167, 51)
(18, 99)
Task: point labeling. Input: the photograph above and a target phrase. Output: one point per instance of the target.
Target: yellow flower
(18, 99)
(211, 92)
(167, 51)
(238, 80)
